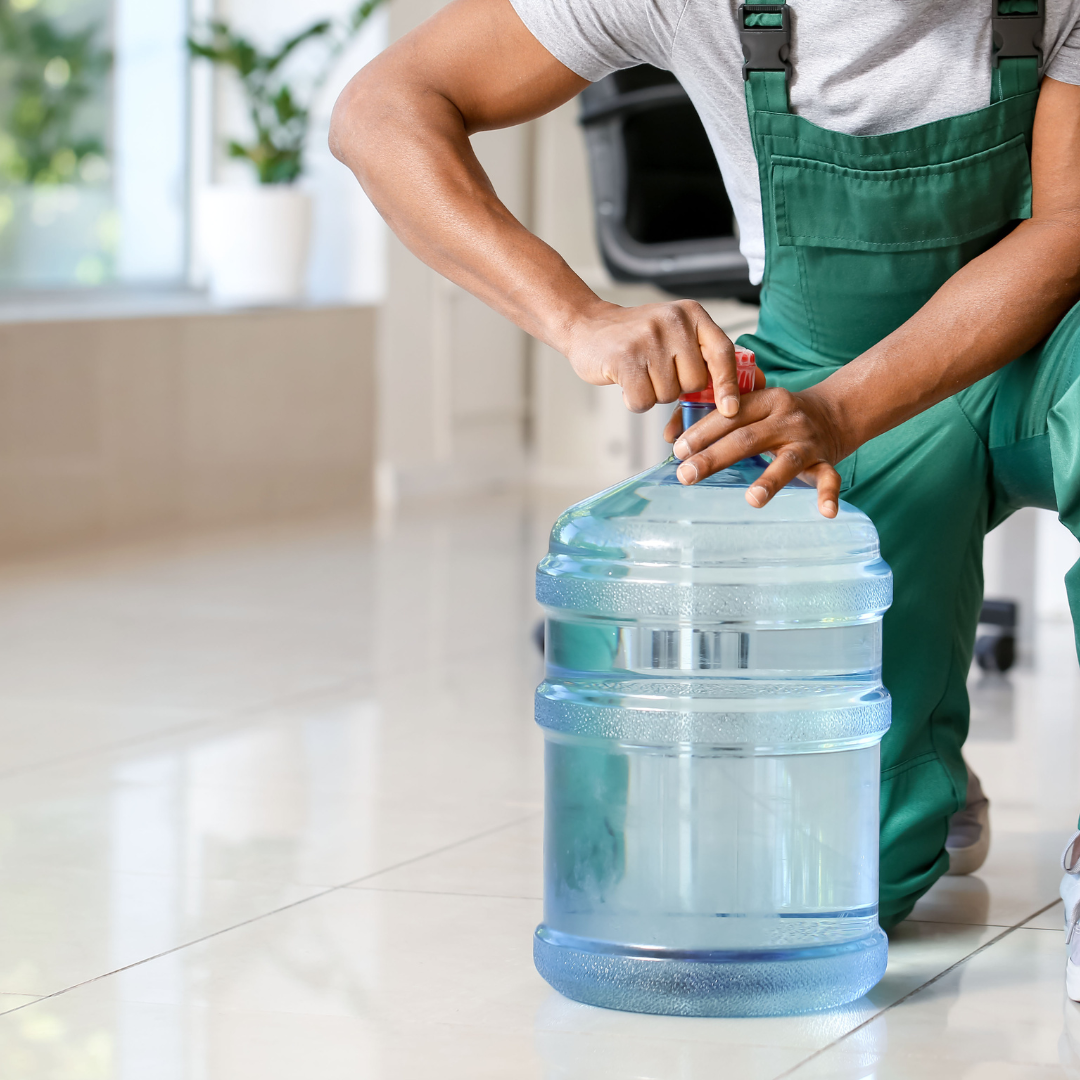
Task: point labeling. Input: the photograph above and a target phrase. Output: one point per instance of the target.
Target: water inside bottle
(692, 851)
(712, 710)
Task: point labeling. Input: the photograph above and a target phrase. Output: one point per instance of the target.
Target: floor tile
(352, 984)
(1003, 1013)
(195, 735)
(422, 984)
(1021, 875)
(1051, 919)
(504, 863)
(108, 862)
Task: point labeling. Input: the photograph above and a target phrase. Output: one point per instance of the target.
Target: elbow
(346, 137)
(358, 120)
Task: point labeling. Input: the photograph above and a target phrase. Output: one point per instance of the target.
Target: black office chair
(662, 213)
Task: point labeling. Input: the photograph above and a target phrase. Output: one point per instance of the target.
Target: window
(92, 142)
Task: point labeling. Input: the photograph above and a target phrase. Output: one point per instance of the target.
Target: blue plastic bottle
(712, 712)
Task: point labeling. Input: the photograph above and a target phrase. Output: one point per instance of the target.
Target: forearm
(408, 144)
(990, 312)
(403, 126)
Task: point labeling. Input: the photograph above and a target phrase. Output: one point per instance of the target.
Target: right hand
(655, 353)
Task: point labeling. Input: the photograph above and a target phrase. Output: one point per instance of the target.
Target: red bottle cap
(746, 368)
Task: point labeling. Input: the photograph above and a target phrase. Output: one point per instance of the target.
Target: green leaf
(279, 117)
(361, 13)
(316, 30)
(225, 47)
(45, 122)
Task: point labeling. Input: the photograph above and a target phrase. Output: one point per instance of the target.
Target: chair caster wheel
(995, 652)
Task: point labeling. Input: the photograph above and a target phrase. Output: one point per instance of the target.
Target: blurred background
(204, 322)
(265, 655)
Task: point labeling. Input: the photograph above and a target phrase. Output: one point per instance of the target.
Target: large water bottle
(712, 712)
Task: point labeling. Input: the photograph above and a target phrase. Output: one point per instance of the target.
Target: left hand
(799, 429)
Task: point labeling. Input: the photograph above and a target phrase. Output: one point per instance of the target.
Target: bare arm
(403, 125)
(987, 314)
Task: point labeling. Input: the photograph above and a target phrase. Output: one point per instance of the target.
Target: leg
(1029, 413)
(933, 487)
(1034, 442)
(924, 485)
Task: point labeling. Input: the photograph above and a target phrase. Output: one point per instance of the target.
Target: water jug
(712, 712)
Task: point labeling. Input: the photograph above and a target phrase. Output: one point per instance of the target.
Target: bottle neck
(742, 473)
(699, 403)
(693, 411)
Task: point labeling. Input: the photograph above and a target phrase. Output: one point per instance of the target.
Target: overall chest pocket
(824, 205)
(859, 251)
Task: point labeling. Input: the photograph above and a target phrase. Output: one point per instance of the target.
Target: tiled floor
(270, 808)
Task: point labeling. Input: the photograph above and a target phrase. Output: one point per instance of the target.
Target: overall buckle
(767, 48)
(1018, 36)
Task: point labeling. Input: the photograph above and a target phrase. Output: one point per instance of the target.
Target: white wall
(1056, 550)
(452, 392)
(1026, 559)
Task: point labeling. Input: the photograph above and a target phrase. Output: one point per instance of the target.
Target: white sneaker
(968, 842)
(1070, 894)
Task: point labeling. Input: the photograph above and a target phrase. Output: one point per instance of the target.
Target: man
(908, 193)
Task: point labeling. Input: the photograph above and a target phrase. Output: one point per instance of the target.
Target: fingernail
(681, 449)
(729, 406)
(687, 472)
(828, 508)
(757, 495)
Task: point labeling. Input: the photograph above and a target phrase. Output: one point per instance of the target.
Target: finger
(667, 362)
(714, 427)
(783, 468)
(827, 481)
(719, 355)
(690, 366)
(673, 428)
(638, 392)
(760, 381)
(743, 442)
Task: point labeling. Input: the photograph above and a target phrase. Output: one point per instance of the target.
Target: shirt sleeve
(593, 38)
(1065, 65)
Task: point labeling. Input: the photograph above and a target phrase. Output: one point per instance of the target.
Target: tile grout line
(911, 993)
(954, 922)
(275, 911)
(442, 892)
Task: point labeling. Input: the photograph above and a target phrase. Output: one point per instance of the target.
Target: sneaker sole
(967, 860)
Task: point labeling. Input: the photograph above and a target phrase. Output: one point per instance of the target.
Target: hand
(798, 429)
(655, 353)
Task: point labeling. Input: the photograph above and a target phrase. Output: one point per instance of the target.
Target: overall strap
(1017, 47)
(765, 33)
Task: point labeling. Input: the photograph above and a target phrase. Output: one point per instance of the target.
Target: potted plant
(255, 239)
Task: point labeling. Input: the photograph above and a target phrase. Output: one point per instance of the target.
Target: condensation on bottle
(712, 712)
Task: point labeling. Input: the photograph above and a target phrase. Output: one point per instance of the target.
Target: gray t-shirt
(862, 69)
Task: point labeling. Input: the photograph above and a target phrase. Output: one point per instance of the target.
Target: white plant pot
(254, 243)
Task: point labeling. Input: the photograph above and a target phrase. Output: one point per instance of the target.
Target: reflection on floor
(270, 808)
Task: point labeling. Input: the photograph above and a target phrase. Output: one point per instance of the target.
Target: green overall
(860, 231)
